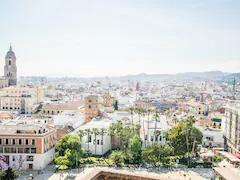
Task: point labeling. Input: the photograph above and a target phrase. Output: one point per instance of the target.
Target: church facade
(10, 70)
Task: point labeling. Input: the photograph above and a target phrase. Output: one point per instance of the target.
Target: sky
(119, 37)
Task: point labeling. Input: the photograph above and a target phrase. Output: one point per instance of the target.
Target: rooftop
(22, 129)
(73, 105)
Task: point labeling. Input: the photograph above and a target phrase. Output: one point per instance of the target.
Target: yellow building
(21, 98)
(66, 107)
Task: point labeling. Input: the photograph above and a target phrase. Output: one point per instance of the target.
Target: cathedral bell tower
(10, 68)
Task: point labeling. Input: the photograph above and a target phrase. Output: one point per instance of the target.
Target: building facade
(91, 108)
(232, 128)
(21, 98)
(27, 147)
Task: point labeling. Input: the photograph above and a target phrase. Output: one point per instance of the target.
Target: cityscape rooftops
(64, 106)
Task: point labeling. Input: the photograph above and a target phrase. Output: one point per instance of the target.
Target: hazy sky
(118, 37)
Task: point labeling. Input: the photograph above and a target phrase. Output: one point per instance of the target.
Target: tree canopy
(68, 150)
(135, 148)
(184, 137)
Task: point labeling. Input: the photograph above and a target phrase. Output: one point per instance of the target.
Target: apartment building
(21, 98)
(27, 147)
(232, 128)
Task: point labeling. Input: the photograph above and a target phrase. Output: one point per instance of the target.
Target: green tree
(175, 120)
(88, 133)
(81, 133)
(9, 174)
(111, 133)
(102, 133)
(156, 153)
(117, 157)
(95, 132)
(185, 137)
(131, 112)
(69, 146)
(149, 111)
(139, 112)
(135, 148)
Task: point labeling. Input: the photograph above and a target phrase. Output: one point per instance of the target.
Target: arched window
(89, 101)
(89, 106)
(9, 63)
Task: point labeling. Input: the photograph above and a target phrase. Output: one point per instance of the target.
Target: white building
(150, 128)
(232, 127)
(102, 143)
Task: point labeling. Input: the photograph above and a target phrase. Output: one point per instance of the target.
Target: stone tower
(10, 68)
(90, 108)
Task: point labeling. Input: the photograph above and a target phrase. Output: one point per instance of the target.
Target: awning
(237, 155)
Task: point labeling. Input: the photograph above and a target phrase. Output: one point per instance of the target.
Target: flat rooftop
(23, 129)
(73, 105)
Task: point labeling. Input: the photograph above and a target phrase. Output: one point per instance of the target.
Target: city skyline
(110, 38)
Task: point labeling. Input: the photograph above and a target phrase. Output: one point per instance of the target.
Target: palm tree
(95, 132)
(132, 111)
(111, 133)
(119, 131)
(175, 120)
(157, 133)
(81, 133)
(143, 115)
(149, 111)
(102, 132)
(88, 132)
(156, 116)
(139, 112)
(137, 129)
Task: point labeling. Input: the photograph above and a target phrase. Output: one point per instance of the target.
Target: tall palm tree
(88, 132)
(157, 133)
(132, 111)
(175, 120)
(137, 129)
(111, 133)
(139, 112)
(156, 116)
(81, 133)
(149, 111)
(95, 132)
(102, 132)
(143, 115)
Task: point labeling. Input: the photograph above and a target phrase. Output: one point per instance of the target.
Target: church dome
(10, 53)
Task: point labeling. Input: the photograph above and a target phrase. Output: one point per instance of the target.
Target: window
(97, 142)
(7, 150)
(26, 141)
(89, 106)
(19, 141)
(90, 139)
(20, 150)
(156, 138)
(33, 142)
(29, 158)
(0, 141)
(89, 101)
(151, 138)
(13, 141)
(13, 158)
(30, 166)
(160, 138)
(6, 141)
(1, 149)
